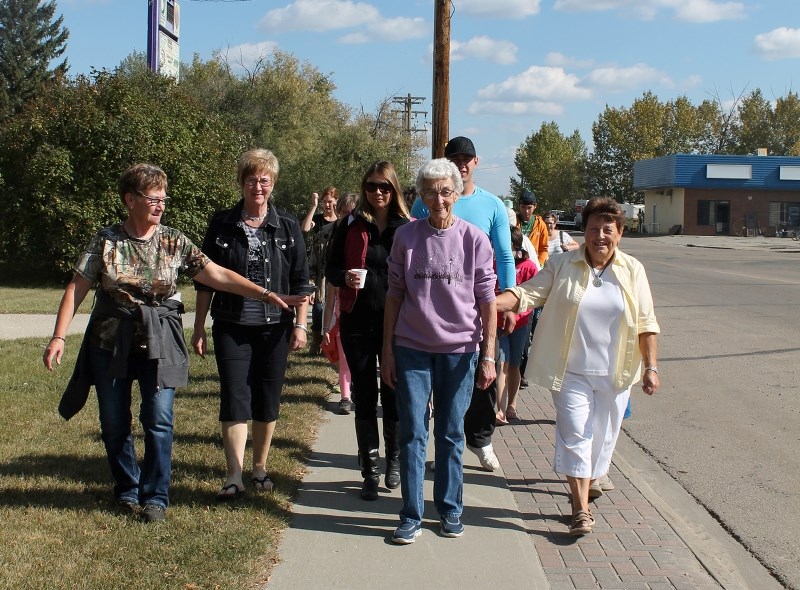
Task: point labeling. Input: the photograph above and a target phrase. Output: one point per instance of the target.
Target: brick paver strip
(631, 546)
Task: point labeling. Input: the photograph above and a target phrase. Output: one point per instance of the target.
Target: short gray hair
(438, 169)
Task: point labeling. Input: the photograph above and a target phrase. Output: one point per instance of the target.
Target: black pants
(362, 345)
(480, 417)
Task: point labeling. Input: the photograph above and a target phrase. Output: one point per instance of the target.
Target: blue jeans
(150, 484)
(450, 377)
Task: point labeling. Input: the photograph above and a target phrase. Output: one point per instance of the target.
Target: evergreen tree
(30, 40)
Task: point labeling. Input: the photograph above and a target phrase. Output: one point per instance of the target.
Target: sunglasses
(374, 187)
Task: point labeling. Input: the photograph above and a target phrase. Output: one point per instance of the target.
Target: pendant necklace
(598, 281)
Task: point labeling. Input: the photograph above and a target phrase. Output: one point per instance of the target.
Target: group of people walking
(425, 298)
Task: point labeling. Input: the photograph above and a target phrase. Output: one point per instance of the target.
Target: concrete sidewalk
(338, 540)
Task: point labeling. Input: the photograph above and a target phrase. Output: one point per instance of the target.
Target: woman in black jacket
(252, 340)
(364, 241)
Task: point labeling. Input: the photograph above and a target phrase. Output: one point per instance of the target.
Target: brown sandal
(511, 414)
(582, 523)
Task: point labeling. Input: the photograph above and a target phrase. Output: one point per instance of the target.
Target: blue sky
(514, 63)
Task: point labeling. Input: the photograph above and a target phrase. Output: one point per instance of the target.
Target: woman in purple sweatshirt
(439, 328)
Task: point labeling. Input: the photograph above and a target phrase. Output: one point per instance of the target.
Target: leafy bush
(62, 156)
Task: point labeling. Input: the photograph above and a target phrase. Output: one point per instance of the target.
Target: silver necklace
(247, 217)
(597, 281)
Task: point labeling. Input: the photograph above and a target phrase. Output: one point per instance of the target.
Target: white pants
(589, 413)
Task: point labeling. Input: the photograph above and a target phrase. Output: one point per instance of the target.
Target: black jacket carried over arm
(284, 253)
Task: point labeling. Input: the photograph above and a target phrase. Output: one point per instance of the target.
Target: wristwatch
(654, 369)
(303, 327)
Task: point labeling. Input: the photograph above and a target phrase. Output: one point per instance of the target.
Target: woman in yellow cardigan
(597, 327)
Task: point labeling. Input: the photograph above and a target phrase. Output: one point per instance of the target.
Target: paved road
(726, 424)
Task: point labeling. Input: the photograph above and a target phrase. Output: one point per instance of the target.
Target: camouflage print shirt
(136, 272)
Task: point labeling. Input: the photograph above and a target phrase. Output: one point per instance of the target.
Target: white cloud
(692, 81)
(781, 43)
(706, 11)
(536, 83)
(392, 29)
(618, 79)
(560, 60)
(246, 55)
(535, 107)
(484, 48)
(497, 8)
(318, 15)
(692, 11)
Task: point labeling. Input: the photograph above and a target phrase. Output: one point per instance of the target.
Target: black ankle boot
(367, 437)
(391, 441)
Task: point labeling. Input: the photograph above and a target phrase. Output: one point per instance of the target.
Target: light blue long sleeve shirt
(488, 212)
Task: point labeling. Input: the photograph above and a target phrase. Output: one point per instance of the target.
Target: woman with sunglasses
(135, 333)
(363, 241)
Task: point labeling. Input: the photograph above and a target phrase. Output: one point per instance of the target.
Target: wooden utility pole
(441, 77)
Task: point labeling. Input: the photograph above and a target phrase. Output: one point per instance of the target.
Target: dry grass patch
(59, 528)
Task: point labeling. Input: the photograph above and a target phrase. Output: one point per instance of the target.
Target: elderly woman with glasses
(252, 339)
(361, 242)
(135, 333)
(439, 329)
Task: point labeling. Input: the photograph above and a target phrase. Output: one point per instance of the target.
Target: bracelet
(488, 359)
(654, 369)
(265, 295)
(303, 327)
(58, 338)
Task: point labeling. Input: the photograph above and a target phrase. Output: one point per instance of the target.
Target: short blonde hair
(254, 161)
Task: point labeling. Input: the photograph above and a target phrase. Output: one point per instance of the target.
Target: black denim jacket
(285, 261)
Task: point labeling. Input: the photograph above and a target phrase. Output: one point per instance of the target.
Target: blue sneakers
(451, 526)
(406, 533)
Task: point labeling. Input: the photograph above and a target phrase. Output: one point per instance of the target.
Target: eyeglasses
(374, 187)
(155, 200)
(432, 194)
(266, 181)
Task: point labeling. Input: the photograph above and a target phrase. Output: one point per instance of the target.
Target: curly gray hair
(438, 169)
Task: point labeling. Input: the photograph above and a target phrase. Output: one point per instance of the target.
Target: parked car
(565, 220)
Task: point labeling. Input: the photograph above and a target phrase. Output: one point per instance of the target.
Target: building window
(706, 212)
(784, 214)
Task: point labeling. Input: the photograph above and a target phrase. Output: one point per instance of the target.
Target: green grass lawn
(59, 530)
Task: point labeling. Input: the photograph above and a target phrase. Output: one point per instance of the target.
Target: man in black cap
(481, 208)
(532, 225)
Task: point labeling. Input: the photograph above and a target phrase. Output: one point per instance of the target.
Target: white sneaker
(486, 456)
(605, 483)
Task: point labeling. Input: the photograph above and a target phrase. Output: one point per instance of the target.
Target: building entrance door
(723, 217)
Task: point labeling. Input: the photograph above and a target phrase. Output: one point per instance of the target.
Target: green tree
(649, 129)
(288, 107)
(786, 125)
(61, 159)
(553, 166)
(30, 41)
(754, 129)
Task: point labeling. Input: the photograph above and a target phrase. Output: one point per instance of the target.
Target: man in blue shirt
(485, 210)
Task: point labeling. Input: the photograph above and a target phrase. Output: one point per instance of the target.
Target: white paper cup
(362, 276)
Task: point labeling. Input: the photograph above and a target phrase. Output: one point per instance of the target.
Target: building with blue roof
(719, 195)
